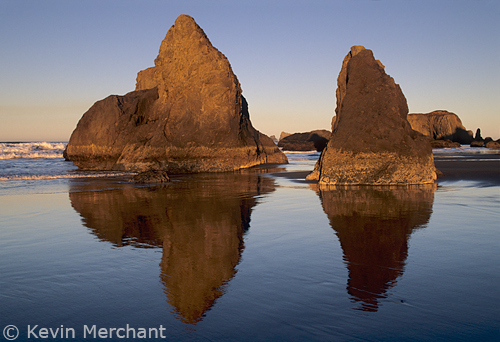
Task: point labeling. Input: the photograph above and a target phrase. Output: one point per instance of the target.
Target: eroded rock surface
(372, 141)
(151, 176)
(187, 114)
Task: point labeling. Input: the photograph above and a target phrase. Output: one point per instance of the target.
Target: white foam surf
(66, 176)
(32, 150)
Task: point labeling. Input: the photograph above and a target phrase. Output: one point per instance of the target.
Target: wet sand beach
(480, 167)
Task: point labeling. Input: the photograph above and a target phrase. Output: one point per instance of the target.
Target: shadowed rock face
(441, 125)
(186, 115)
(199, 222)
(373, 225)
(308, 141)
(372, 141)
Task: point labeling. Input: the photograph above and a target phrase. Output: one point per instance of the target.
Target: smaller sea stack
(372, 141)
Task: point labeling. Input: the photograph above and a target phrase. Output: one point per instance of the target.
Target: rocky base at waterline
(487, 142)
(444, 143)
(187, 114)
(308, 141)
(372, 141)
(151, 177)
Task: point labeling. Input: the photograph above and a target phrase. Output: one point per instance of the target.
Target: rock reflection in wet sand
(373, 225)
(199, 220)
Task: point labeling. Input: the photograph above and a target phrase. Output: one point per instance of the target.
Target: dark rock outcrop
(487, 142)
(444, 143)
(478, 136)
(151, 176)
(441, 125)
(187, 114)
(479, 141)
(372, 142)
(493, 144)
(308, 141)
(284, 135)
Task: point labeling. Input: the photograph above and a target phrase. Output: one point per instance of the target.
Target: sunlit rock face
(187, 114)
(200, 224)
(372, 141)
(373, 225)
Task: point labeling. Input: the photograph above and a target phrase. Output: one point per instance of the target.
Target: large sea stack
(187, 114)
(372, 141)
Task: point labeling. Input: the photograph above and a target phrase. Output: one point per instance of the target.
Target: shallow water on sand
(252, 255)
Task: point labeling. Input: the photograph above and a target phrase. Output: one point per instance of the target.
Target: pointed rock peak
(185, 19)
(342, 78)
(185, 23)
(183, 34)
(355, 49)
(187, 58)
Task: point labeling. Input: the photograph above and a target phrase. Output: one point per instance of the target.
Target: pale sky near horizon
(59, 57)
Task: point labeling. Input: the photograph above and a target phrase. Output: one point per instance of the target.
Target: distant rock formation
(441, 125)
(187, 114)
(493, 144)
(308, 141)
(487, 142)
(284, 135)
(479, 141)
(373, 142)
(478, 136)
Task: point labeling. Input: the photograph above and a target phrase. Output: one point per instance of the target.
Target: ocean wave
(296, 156)
(65, 176)
(32, 150)
(301, 152)
(464, 149)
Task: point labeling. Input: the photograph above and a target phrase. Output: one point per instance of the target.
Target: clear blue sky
(60, 56)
